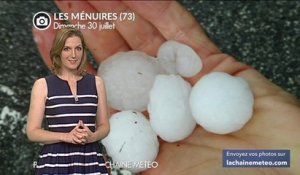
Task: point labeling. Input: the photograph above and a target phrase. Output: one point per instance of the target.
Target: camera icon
(41, 21)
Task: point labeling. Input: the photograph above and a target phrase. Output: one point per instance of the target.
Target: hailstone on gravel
(169, 109)
(128, 78)
(131, 139)
(221, 103)
(178, 58)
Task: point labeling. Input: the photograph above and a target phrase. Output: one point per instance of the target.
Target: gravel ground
(264, 34)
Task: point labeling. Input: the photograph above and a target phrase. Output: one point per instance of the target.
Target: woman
(74, 105)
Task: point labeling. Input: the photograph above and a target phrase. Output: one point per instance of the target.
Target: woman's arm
(34, 129)
(102, 123)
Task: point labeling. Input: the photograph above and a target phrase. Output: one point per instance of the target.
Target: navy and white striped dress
(63, 111)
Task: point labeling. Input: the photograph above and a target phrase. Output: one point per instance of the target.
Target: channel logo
(41, 21)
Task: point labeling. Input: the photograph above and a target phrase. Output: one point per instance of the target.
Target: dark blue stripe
(71, 119)
(71, 109)
(71, 100)
(68, 129)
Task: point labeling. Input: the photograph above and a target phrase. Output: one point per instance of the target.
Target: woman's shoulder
(43, 81)
(90, 75)
(40, 86)
(99, 83)
(40, 82)
(97, 78)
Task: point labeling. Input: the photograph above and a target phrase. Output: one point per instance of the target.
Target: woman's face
(71, 54)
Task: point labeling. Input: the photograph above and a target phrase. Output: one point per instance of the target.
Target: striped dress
(63, 111)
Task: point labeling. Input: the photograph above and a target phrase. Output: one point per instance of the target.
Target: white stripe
(67, 164)
(102, 164)
(70, 114)
(62, 105)
(70, 96)
(69, 154)
(60, 96)
(68, 125)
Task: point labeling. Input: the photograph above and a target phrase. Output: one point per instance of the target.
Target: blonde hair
(58, 45)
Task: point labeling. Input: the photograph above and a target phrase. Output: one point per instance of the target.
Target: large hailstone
(221, 103)
(131, 140)
(169, 109)
(178, 58)
(128, 78)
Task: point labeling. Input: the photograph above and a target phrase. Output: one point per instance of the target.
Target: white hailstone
(128, 78)
(131, 140)
(169, 108)
(178, 58)
(221, 103)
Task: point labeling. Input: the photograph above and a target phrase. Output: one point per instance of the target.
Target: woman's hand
(76, 136)
(84, 133)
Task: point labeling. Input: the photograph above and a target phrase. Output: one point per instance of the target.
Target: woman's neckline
(67, 80)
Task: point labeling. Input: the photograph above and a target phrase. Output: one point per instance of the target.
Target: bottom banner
(256, 158)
